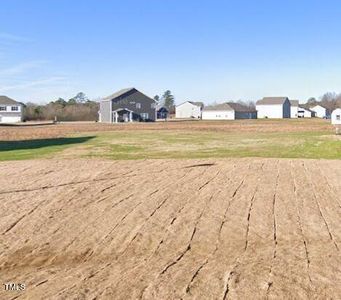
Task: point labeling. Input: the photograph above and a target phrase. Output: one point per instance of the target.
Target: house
(305, 112)
(162, 112)
(293, 108)
(321, 112)
(127, 105)
(336, 116)
(189, 109)
(228, 111)
(10, 110)
(273, 108)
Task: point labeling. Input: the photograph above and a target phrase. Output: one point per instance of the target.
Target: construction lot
(245, 228)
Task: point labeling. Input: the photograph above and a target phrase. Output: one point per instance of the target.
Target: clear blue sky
(200, 50)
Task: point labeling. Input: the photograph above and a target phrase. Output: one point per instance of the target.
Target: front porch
(122, 115)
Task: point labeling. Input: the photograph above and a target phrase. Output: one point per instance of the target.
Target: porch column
(131, 116)
(115, 116)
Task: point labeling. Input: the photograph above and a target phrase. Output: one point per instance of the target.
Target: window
(338, 117)
(138, 105)
(15, 108)
(144, 116)
(2, 108)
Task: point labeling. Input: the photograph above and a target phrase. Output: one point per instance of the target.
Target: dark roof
(304, 107)
(272, 100)
(4, 100)
(294, 102)
(119, 94)
(240, 107)
(230, 106)
(222, 106)
(162, 108)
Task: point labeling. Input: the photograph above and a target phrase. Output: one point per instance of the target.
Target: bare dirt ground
(171, 229)
(10, 133)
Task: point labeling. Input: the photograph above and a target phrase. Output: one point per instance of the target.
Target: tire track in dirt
(320, 209)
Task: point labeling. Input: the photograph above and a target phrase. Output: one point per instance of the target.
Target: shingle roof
(4, 100)
(272, 100)
(222, 106)
(240, 107)
(118, 94)
(294, 102)
(305, 108)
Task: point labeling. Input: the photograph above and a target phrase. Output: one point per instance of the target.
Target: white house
(273, 108)
(321, 112)
(228, 111)
(336, 116)
(293, 108)
(10, 110)
(189, 109)
(305, 113)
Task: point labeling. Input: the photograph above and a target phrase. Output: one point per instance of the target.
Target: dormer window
(15, 108)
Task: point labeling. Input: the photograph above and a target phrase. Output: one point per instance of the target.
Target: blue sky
(200, 50)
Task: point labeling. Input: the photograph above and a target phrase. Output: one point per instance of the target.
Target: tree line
(78, 108)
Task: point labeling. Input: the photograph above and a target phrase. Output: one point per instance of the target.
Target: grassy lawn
(170, 144)
(141, 144)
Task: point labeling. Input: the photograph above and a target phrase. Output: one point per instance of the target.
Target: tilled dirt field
(11, 133)
(171, 229)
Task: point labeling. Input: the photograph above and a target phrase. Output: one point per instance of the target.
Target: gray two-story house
(10, 110)
(127, 105)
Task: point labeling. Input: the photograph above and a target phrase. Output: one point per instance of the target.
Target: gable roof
(4, 100)
(317, 105)
(122, 93)
(118, 94)
(222, 106)
(197, 103)
(200, 104)
(272, 100)
(305, 108)
(240, 107)
(294, 102)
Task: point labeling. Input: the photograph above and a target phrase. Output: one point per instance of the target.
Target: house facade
(127, 105)
(321, 112)
(10, 110)
(273, 108)
(189, 109)
(336, 116)
(228, 111)
(294, 108)
(162, 112)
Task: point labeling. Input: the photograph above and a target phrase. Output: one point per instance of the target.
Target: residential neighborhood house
(10, 110)
(228, 111)
(294, 108)
(273, 108)
(127, 105)
(321, 112)
(305, 112)
(336, 116)
(189, 109)
(162, 112)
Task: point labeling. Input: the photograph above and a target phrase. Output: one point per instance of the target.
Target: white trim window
(3, 108)
(14, 108)
(138, 105)
(144, 116)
